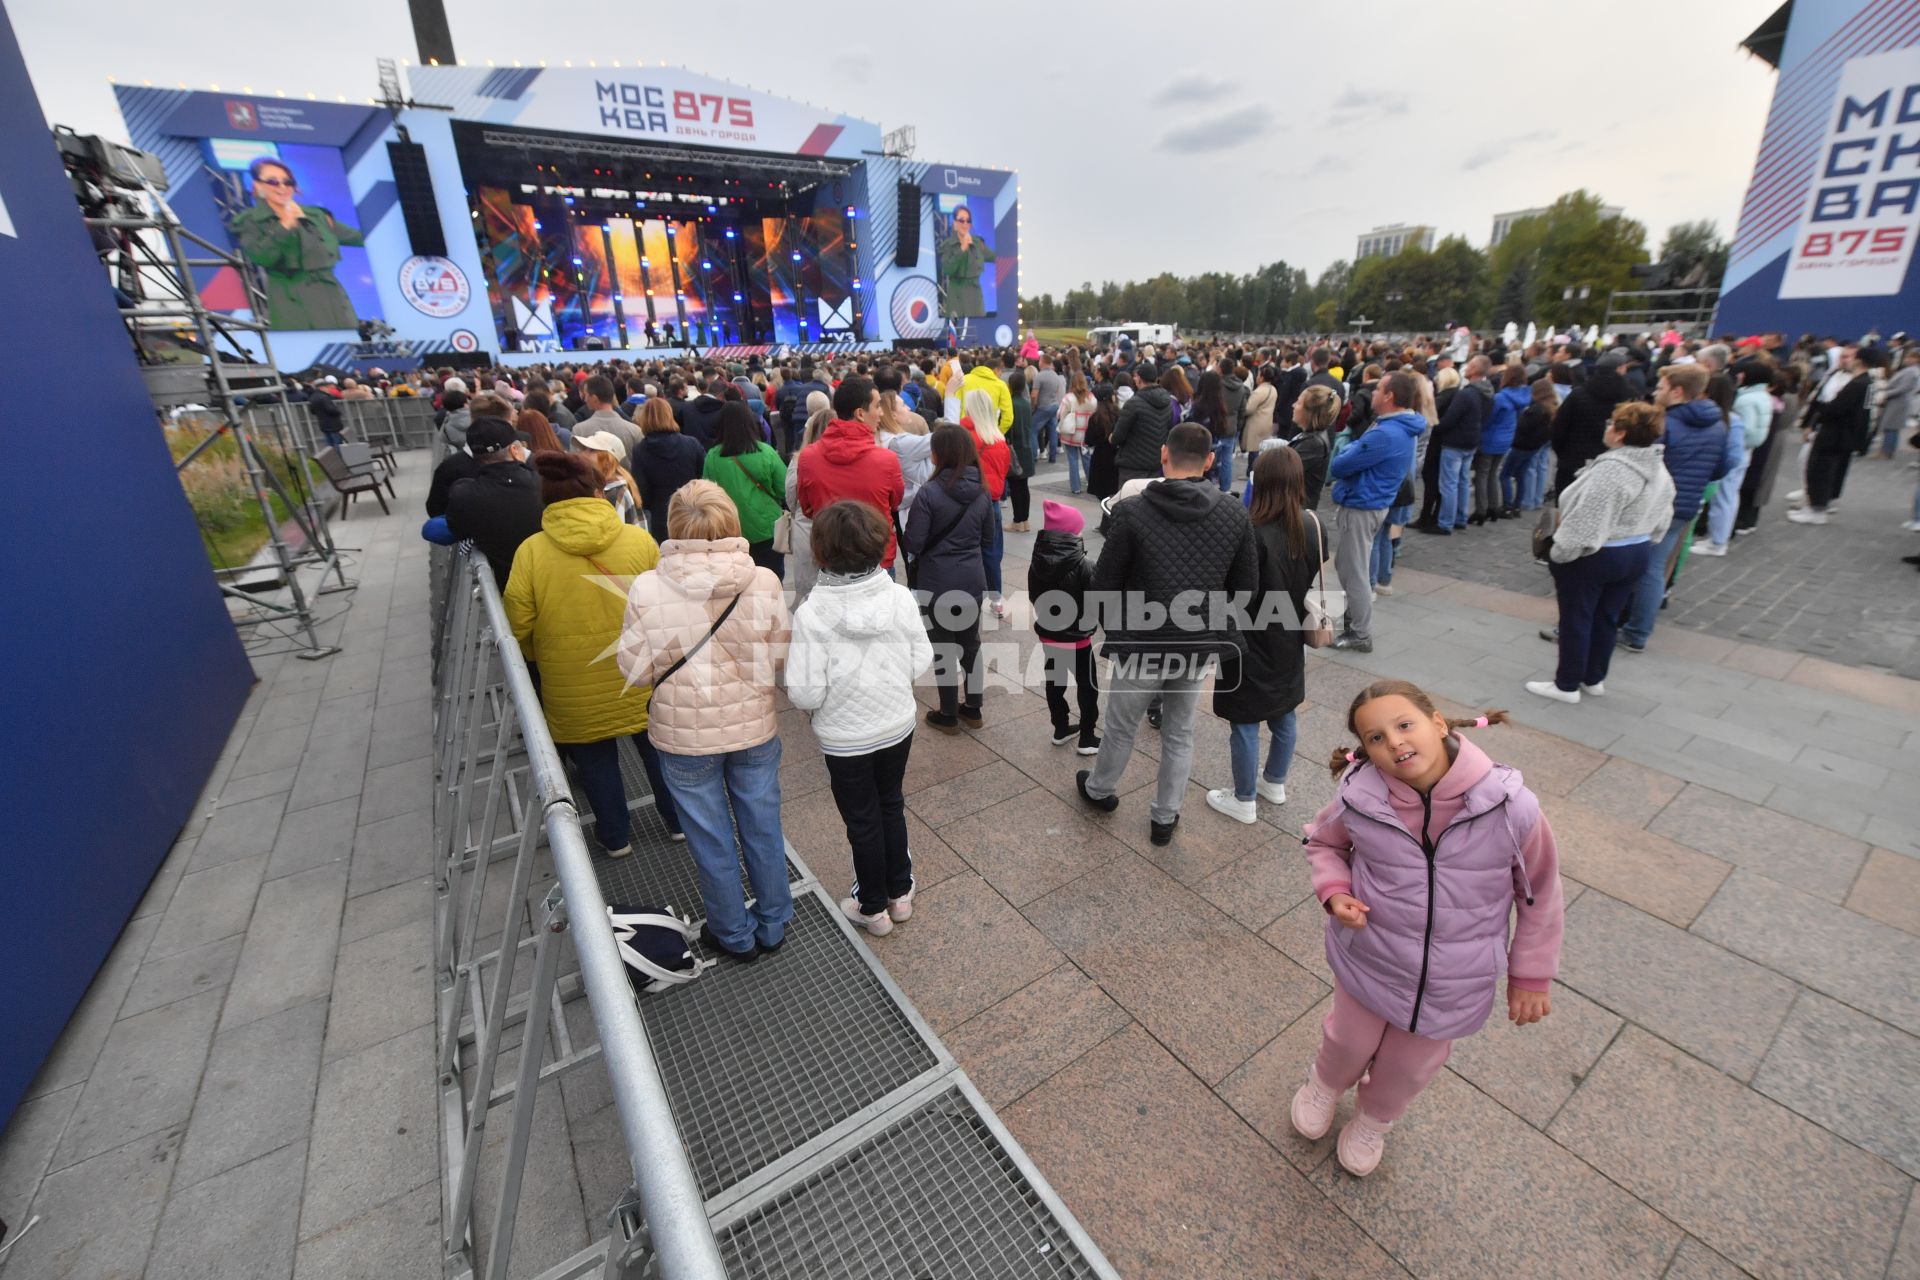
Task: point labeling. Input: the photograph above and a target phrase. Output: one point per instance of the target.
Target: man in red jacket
(846, 462)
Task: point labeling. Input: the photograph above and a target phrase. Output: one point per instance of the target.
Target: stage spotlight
(569, 199)
(711, 209)
(796, 255)
(705, 265)
(850, 211)
(577, 262)
(536, 226)
(729, 230)
(736, 297)
(856, 285)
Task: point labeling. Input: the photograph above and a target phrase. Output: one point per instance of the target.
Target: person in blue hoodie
(1496, 438)
(1696, 456)
(1366, 477)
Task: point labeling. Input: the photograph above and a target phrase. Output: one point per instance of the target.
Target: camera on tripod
(105, 174)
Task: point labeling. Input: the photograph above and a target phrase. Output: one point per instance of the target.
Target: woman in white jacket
(858, 645)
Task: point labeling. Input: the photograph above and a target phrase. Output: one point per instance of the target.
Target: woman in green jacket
(1020, 441)
(754, 476)
(297, 247)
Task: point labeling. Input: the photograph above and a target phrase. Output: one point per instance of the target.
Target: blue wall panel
(122, 675)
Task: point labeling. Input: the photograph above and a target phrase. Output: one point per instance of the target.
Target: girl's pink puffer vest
(1436, 936)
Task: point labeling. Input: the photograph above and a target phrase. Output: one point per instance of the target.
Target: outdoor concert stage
(517, 213)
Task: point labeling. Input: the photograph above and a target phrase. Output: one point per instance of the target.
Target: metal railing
(501, 792)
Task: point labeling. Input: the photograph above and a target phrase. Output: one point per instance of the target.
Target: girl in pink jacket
(1418, 859)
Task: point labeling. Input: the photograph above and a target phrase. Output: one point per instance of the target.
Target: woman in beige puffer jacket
(712, 716)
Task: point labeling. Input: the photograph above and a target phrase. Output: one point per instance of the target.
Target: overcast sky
(1262, 131)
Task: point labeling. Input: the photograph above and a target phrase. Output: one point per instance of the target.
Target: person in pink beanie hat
(1058, 580)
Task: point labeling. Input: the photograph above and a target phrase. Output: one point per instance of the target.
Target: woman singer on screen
(297, 248)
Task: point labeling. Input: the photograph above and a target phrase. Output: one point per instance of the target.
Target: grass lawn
(1061, 335)
(232, 527)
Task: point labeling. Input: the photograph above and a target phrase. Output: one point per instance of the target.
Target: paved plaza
(1729, 1083)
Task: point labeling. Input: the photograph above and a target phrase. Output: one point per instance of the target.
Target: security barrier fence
(792, 1118)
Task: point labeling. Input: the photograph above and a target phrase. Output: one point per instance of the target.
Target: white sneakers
(1276, 792)
(624, 851)
(900, 909)
(1226, 802)
(1595, 690)
(1807, 515)
(879, 924)
(1705, 547)
(1548, 689)
(1363, 1140)
(1313, 1105)
(1912, 526)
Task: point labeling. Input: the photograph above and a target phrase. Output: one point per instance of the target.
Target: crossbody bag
(783, 526)
(1318, 633)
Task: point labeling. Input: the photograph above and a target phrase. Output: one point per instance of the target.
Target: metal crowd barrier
(793, 1118)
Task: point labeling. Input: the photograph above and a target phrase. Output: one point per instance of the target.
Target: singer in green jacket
(297, 246)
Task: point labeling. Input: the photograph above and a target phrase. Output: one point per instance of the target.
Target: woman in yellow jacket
(564, 600)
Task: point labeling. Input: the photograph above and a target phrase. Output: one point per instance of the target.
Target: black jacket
(1292, 382)
(1271, 675)
(1534, 429)
(1177, 536)
(1144, 423)
(499, 509)
(1580, 427)
(702, 420)
(458, 465)
(1460, 422)
(1840, 424)
(1314, 450)
(957, 562)
(1060, 570)
(663, 462)
(792, 402)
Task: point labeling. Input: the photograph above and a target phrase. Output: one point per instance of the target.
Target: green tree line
(1555, 268)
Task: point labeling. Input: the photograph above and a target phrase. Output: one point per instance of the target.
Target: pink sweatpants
(1403, 1063)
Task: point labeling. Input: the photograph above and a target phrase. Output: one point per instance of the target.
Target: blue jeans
(1534, 492)
(1380, 566)
(702, 787)
(1245, 749)
(1514, 473)
(1726, 503)
(1652, 585)
(1074, 453)
(1456, 487)
(1592, 590)
(1223, 463)
(995, 553)
(598, 764)
(1046, 430)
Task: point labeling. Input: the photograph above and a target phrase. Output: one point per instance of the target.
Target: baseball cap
(599, 441)
(488, 436)
(331, 381)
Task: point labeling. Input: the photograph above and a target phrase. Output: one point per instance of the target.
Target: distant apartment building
(1503, 222)
(1387, 241)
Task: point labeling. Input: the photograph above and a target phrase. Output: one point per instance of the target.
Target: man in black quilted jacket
(1175, 556)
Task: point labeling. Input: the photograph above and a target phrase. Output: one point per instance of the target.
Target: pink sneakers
(1363, 1140)
(1312, 1110)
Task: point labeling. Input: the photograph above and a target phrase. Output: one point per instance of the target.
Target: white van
(1158, 335)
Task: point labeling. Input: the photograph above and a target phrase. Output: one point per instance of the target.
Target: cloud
(1500, 148)
(1192, 88)
(1218, 133)
(1330, 162)
(852, 64)
(1354, 105)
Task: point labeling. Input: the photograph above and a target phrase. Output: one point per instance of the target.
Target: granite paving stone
(1771, 1191)
(391, 851)
(398, 1238)
(1533, 1070)
(145, 1079)
(1301, 935)
(396, 789)
(551, 1224)
(97, 1217)
(1809, 858)
(1027, 1037)
(1694, 1261)
(207, 906)
(187, 973)
(289, 952)
(1851, 1074)
(255, 786)
(964, 950)
(314, 837)
(1628, 792)
(969, 793)
(238, 1225)
(257, 1094)
(1906, 1254)
(271, 750)
(1205, 841)
(1707, 1000)
(333, 768)
(1206, 988)
(1171, 1183)
(1261, 1089)
(1888, 889)
(27, 1143)
(1467, 1189)
(386, 909)
(1855, 960)
(1261, 887)
(1660, 876)
(1030, 844)
(374, 1127)
(382, 987)
(1551, 765)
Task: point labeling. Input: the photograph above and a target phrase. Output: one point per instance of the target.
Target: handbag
(652, 942)
(1544, 531)
(783, 526)
(1318, 633)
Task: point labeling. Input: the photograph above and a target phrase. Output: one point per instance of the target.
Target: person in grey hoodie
(1611, 517)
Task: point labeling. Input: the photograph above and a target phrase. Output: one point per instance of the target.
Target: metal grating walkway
(760, 1059)
(935, 1195)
